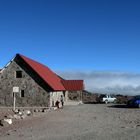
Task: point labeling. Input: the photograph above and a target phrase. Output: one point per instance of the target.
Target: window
(13, 94)
(22, 93)
(18, 74)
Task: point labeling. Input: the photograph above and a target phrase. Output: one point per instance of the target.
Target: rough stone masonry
(31, 86)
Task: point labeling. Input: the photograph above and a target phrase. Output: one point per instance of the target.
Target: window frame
(19, 74)
(22, 95)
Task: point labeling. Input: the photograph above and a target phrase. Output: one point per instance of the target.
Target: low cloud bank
(106, 81)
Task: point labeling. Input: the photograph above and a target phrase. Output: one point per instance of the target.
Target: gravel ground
(83, 122)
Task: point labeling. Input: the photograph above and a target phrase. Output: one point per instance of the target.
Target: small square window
(18, 74)
(22, 93)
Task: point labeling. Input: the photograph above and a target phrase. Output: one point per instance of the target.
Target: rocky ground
(82, 122)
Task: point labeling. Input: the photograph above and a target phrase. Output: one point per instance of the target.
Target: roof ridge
(45, 73)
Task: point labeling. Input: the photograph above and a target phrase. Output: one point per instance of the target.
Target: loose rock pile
(8, 120)
(19, 115)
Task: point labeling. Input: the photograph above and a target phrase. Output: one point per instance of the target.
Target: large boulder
(6, 122)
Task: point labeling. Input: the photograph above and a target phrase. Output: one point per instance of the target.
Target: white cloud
(106, 81)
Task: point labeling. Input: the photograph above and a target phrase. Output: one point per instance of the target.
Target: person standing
(62, 100)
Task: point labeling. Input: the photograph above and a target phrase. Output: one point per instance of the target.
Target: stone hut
(33, 84)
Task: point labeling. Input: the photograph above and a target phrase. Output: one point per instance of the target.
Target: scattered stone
(2, 123)
(17, 117)
(16, 111)
(80, 103)
(36, 110)
(55, 108)
(23, 116)
(9, 121)
(5, 122)
(20, 113)
(44, 110)
(27, 112)
(138, 125)
(40, 110)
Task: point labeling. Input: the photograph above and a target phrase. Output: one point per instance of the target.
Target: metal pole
(14, 102)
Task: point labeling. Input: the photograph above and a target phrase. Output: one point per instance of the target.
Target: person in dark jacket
(57, 104)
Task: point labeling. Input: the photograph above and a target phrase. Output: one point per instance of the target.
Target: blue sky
(72, 35)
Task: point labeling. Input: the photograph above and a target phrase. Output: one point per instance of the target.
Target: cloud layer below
(106, 81)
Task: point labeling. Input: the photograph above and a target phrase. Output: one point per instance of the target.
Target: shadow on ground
(121, 106)
(92, 103)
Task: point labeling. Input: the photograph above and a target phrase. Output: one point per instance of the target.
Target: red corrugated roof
(45, 73)
(73, 84)
(51, 78)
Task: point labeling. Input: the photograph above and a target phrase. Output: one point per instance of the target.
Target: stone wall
(34, 94)
(55, 96)
(74, 95)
